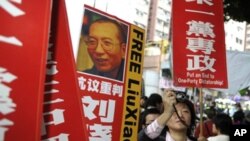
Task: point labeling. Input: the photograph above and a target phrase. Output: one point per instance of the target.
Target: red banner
(109, 64)
(62, 114)
(24, 35)
(199, 57)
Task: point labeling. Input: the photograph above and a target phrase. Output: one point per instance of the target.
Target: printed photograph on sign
(103, 45)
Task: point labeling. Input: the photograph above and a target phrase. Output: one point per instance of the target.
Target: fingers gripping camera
(180, 96)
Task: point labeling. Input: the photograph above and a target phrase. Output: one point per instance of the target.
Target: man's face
(109, 51)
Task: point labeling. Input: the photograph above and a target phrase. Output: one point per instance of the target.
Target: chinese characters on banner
(109, 64)
(24, 35)
(199, 57)
(62, 114)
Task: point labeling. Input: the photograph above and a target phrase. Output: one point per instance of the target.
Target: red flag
(24, 35)
(62, 114)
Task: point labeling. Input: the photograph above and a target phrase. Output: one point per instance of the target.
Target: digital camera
(180, 96)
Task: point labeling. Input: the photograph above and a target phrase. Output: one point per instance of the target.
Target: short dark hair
(192, 125)
(144, 97)
(153, 100)
(147, 112)
(223, 122)
(210, 112)
(122, 31)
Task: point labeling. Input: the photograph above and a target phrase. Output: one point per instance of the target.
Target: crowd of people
(165, 118)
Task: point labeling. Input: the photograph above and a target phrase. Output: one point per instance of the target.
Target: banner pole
(201, 111)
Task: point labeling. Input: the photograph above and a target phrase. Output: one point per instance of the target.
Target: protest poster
(109, 68)
(198, 38)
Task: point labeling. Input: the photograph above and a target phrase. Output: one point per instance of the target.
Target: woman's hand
(169, 99)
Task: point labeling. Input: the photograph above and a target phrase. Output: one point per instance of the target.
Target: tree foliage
(238, 10)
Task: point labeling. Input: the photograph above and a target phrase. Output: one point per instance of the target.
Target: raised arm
(169, 98)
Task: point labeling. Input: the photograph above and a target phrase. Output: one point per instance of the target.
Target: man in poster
(105, 40)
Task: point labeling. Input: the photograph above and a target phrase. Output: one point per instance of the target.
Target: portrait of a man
(105, 40)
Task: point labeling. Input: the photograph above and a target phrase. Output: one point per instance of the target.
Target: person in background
(221, 127)
(239, 115)
(213, 105)
(178, 117)
(154, 101)
(143, 101)
(148, 117)
(247, 118)
(207, 124)
(106, 45)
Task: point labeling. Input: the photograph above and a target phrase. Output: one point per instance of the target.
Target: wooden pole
(201, 111)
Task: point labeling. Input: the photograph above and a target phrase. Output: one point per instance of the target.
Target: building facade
(154, 16)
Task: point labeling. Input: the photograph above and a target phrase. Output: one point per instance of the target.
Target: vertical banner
(24, 35)
(62, 114)
(199, 57)
(109, 66)
(133, 84)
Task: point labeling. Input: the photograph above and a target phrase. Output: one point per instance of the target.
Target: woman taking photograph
(178, 118)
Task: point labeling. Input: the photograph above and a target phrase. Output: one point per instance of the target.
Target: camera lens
(180, 96)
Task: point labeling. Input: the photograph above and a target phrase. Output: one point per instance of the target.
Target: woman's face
(175, 123)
